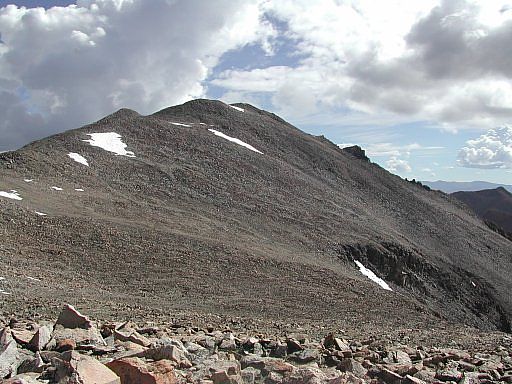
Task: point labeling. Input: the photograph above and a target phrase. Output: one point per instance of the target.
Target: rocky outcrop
(357, 152)
(170, 355)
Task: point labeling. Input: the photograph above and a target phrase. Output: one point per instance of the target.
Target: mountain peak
(211, 107)
(219, 208)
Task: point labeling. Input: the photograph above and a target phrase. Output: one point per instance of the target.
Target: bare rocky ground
(197, 231)
(74, 349)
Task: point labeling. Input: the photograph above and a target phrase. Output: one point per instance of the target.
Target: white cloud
(397, 165)
(429, 171)
(491, 150)
(66, 66)
(438, 61)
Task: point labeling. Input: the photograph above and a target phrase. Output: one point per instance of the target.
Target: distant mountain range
(494, 205)
(456, 186)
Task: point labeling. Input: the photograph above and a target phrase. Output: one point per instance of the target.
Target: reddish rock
(80, 369)
(40, 339)
(231, 367)
(65, 345)
(390, 377)
(402, 369)
(130, 347)
(331, 341)
(69, 317)
(132, 336)
(31, 364)
(222, 377)
(23, 335)
(134, 370)
(166, 349)
(412, 380)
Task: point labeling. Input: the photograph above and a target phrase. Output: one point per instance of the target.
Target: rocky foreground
(75, 349)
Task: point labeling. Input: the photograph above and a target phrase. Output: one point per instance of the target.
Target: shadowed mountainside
(493, 205)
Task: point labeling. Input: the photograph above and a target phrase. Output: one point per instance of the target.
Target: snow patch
(473, 284)
(57, 188)
(40, 213)
(109, 141)
(78, 158)
(372, 276)
(79, 189)
(234, 140)
(11, 195)
(237, 108)
(2, 278)
(33, 278)
(181, 124)
(28, 180)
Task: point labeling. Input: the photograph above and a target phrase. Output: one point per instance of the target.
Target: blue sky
(423, 86)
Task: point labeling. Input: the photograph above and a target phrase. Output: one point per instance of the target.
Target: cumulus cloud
(491, 150)
(66, 66)
(396, 165)
(444, 62)
(429, 171)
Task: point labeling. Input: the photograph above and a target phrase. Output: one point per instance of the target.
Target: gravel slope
(196, 226)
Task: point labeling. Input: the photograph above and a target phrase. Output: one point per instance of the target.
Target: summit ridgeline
(208, 209)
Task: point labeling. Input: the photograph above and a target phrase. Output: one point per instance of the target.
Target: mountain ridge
(210, 226)
(494, 205)
(464, 186)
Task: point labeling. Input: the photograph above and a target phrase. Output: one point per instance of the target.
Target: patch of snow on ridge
(79, 189)
(181, 124)
(28, 180)
(372, 276)
(109, 141)
(237, 108)
(234, 140)
(11, 195)
(78, 158)
(57, 188)
(40, 213)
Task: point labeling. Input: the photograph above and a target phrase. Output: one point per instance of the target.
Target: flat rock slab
(135, 370)
(85, 369)
(69, 317)
(42, 337)
(8, 354)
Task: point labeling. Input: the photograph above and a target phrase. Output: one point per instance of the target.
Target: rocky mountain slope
(205, 209)
(493, 205)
